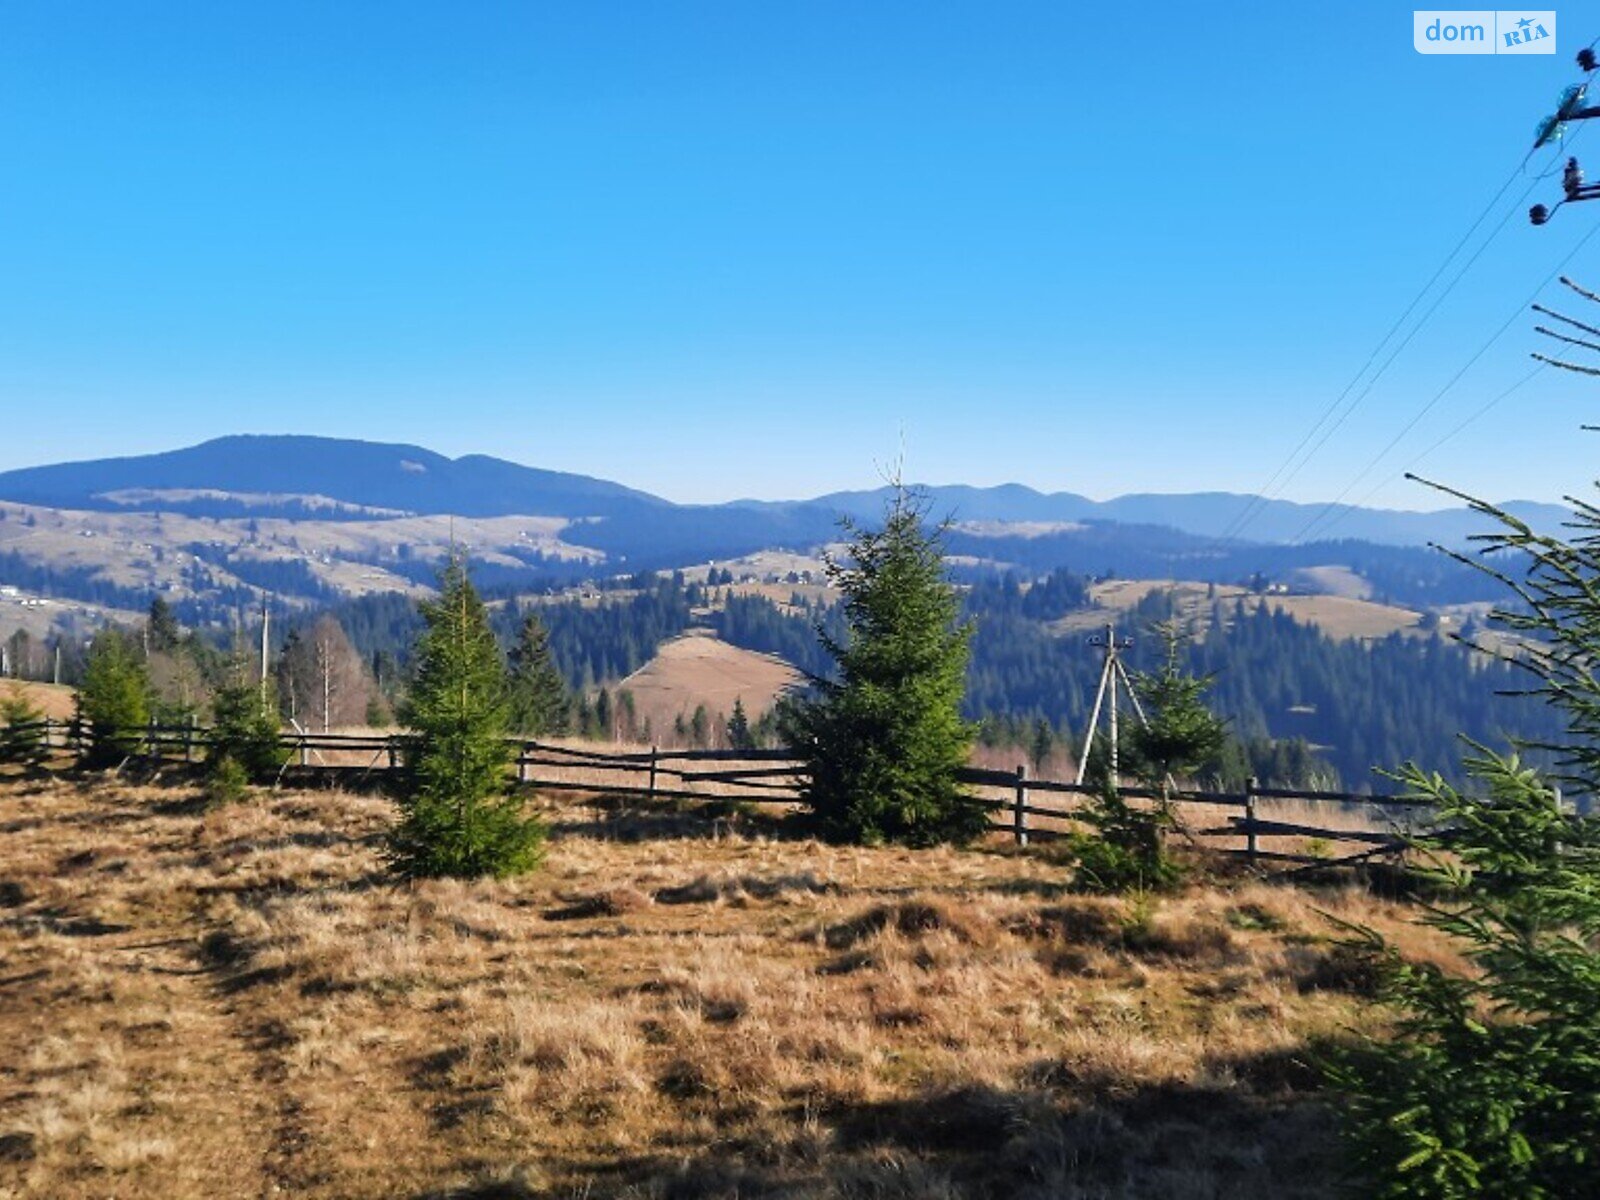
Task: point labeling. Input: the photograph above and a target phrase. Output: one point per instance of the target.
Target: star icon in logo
(1524, 23)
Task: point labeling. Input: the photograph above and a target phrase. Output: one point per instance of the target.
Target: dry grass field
(239, 1003)
(1344, 616)
(700, 668)
(763, 563)
(1332, 581)
(1339, 616)
(55, 700)
(147, 549)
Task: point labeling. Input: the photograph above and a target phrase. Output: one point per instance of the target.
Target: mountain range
(288, 475)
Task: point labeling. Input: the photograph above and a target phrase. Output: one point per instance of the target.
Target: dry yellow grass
(700, 668)
(1339, 616)
(55, 700)
(240, 1003)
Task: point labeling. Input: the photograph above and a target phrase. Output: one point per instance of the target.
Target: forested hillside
(1408, 575)
(1357, 705)
(593, 643)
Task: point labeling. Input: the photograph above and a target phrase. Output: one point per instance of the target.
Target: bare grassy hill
(700, 668)
(1338, 616)
(241, 1004)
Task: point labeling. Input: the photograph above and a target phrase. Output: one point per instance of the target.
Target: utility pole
(324, 660)
(1113, 677)
(1572, 106)
(266, 618)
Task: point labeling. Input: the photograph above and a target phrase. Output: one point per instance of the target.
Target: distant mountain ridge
(1207, 514)
(259, 471)
(369, 474)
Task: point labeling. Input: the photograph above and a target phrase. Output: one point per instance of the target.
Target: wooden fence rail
(1372, 826)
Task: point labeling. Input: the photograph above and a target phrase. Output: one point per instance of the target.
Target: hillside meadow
(241, 1003)
(698, 668)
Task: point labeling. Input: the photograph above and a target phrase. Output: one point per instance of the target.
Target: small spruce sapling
(21, 728)
(1179, 734)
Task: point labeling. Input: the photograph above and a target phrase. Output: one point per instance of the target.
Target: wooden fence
(1304, 829)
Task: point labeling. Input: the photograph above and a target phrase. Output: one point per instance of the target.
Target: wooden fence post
(305, 750)
(654, 752)
(394, 752)
(522, 762)
(1250, 845)
(1020, 815)
(188, 738)
(150, 740)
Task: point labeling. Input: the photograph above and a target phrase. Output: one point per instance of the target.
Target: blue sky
(721, 250)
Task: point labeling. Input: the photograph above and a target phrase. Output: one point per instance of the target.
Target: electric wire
(1476, 416)
(1328, 509)
(1277, 482)
(1399, 349)
(1260, 499)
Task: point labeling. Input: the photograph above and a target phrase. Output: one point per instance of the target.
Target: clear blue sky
(718, 250)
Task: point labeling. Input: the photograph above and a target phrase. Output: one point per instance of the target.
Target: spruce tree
(457, 818)
(1491, 1087)
(1180, 734)
(244, 725)
(113, 698)
(883, 741)
(21, 732)
(739, 735)
(537, 694)
(161, 630)
(1041, 744)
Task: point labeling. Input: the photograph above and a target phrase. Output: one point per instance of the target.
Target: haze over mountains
(298, 476)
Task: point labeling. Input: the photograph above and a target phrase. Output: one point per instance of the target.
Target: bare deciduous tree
(323, 683)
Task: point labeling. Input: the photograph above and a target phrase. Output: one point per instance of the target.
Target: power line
(1415, 329)
(1476, 416)
(1328, 508)
(1331, 514)
(1473, 419)
(1261, 498)
(1276, 483)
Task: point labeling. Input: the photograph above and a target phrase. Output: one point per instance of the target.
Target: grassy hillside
(56, 701)
(698, 668)
(1338, 616)
(240, 1004)
(352, 556)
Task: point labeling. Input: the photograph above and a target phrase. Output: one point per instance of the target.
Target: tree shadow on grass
(1259, 1132)
(627, 819)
